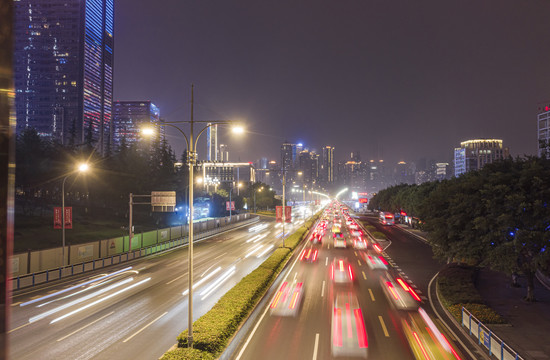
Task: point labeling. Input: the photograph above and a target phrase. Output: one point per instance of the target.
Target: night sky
(395, 80)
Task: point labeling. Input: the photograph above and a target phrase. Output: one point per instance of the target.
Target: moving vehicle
(375, 261)
(341, 271)
(348, 331)
(309, 254)
(399, 293)
(386, 218)
(288, 299)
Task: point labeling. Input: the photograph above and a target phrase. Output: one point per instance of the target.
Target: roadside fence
(486, 338)
(100, 259)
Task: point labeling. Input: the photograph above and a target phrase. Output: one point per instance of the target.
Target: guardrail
(497, 348)
(45, 276)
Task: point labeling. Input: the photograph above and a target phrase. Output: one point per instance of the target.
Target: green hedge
(212, 331)
(378, 235)
(456, 288)
(188, 354)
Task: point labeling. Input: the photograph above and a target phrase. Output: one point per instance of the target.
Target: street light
(191, 143)
(81, 168)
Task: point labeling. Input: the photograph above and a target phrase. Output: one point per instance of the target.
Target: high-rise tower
(64, 69)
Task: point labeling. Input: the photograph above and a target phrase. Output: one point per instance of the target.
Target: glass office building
(64, 69)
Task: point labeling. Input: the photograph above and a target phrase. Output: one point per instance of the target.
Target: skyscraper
(288, 156)
(129, 116)
(474, 154)
(212, 142)
(327, 165)
(64, 69)
(543, 134)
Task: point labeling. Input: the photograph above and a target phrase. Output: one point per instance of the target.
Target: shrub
(187, 354)
(378, 235)
(456, 288)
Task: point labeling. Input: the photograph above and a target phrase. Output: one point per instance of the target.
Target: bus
(386, 218)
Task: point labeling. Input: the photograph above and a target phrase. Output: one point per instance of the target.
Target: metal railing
(45, 276)
(486, 338)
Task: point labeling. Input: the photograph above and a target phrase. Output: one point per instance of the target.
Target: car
(288, 299)
(400, 294)
(375, 261)
(341, 271)
(317, 237)
(348, 332)
(340, 242)
(359, 243)
(309, 255)
(355, 233)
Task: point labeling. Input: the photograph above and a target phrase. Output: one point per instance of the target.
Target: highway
(328, 323)
(137, 309)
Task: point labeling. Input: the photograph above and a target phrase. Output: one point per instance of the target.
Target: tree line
(497, 216)
(138, 168)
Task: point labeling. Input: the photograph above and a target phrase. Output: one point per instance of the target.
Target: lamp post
(81, 168)
(259, 190)
(191, 143)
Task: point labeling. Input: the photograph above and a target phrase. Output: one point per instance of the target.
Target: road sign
(163, 201)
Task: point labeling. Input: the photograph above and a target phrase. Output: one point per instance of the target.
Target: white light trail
(254, 249)
(217, 283)
(99, 301)
(73, 287)
(263, 252)
(198, 283)
(77, 301)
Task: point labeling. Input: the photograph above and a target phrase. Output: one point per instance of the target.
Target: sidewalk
(530, 322)
(528, 331)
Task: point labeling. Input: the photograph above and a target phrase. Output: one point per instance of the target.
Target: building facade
(129, 117)
(474, 154)
(63, 69)
(543, 131)
(326, 169)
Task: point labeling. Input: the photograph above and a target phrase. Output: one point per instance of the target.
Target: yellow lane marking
(383, 326)
(371, 295)
(364, 276)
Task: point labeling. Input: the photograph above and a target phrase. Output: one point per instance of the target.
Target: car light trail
(218, 282)
(198, 283)
(434, 329)
(265, 251)
(77, 301)
(99, 301)
(254, 249)
(73, 287)
(257, 227)
(361, 332)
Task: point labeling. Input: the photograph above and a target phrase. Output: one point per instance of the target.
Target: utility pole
(190, 253)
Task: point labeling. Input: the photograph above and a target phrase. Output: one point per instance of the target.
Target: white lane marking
(326, 261)
(179, 277)
(85, 326)
(383, 326)
(323, 289)
(145, 327)
(263, 315)
(219, 256)
(315, 346)
(295, 275)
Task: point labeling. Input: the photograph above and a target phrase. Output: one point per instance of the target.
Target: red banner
(279, 214)
(288, 214)
(68, 217)
(363, 200)
(57, 218)
(227, 205)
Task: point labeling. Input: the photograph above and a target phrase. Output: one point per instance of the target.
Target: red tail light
(403, 284)
(414, 294)
(383, 260)
(377, 248)
(337, 339)
(315, 255)
(303, 253)
(350, 272)
(361, 332)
